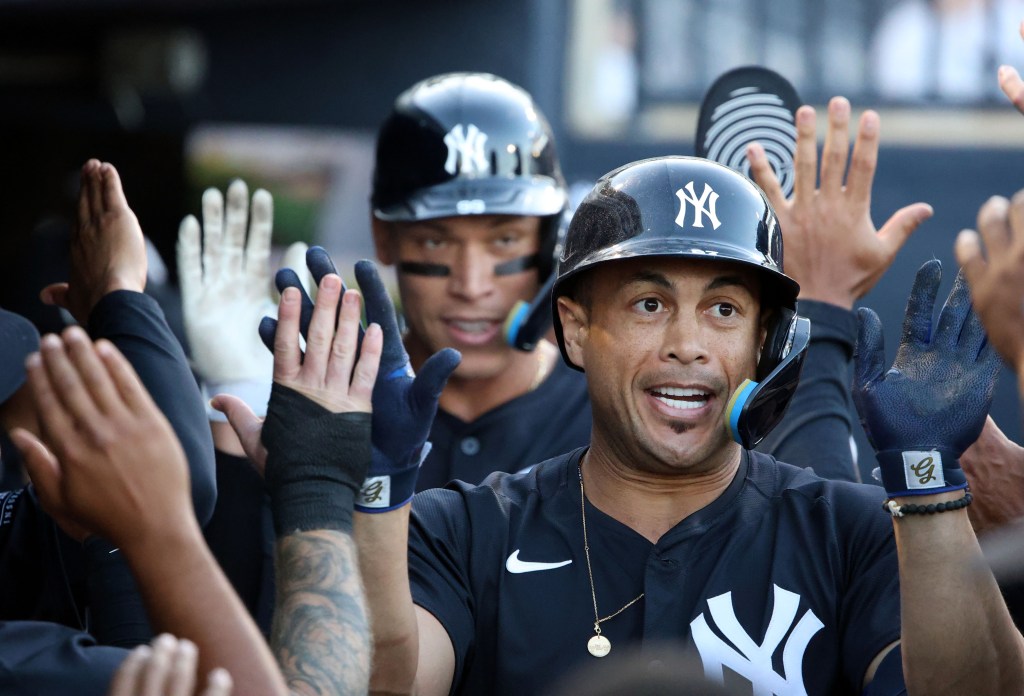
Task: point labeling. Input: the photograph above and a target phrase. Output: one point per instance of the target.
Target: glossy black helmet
(468, 144)
(687, 207)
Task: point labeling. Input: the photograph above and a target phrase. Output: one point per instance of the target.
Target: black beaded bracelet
(897, 510)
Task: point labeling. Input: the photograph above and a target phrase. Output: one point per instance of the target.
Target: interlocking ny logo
(465, 150)
(688, 195)
(749, 659)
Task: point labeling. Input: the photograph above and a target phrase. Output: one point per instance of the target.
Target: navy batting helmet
(686, 207)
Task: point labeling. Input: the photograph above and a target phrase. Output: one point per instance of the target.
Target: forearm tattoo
(320, 633)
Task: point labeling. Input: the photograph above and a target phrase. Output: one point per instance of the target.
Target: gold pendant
(599, 646)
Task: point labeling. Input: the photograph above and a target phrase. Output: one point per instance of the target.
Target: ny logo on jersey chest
(701, 206)
(466, 152)
(749, 659)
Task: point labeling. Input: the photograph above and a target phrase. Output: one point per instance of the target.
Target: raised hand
(997, 282)
(108, 251)
(924, 411)
(166, 668)
(832, 246)
(111, 462)
(225, 291)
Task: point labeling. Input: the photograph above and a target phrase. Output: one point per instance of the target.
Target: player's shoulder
(498, 495)
(845, 499)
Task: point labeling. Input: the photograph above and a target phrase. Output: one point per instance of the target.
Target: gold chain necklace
(599, 646)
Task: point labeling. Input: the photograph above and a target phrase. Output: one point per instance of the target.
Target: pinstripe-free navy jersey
(785, 584)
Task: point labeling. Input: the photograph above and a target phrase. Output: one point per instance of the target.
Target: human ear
(575, 324)
(383, 240)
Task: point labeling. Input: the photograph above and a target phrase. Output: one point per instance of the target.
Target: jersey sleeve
(817, 428)
(134, 323)
(439, 542)
(44, 659)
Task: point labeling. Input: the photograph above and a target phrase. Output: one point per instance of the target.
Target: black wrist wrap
(316, 462)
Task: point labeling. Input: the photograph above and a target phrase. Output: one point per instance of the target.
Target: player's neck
(468, 398)
(649, 503)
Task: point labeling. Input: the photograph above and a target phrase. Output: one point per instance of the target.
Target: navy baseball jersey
(552, 419)
(787, 583)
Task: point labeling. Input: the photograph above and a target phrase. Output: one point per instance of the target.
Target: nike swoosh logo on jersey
(514, 565)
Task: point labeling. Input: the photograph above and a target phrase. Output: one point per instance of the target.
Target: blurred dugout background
(184, 94)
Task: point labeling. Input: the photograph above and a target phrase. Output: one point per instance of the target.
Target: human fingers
(57, 427)
(213, 231)
(837, 146)
(993, 224)
(42, 466)
(92, 182)
(84, 211)
(319, 263)
(218, 683)
(157, 668)
(287, 356)
(181, 678)
(257, 249)
(246, 424)
(288, 278)
(55, 295)
(366, 369)
(126, 678)
(1012, 86)
(898, 228)
(320, 337)
(805, 160)
(92, 370)
(764, 176)
(1017, 222)
(345, 345)
(968, 254)
(235, 221)
(130, 390)
(111, 189)
(67, 383)
(864, 160)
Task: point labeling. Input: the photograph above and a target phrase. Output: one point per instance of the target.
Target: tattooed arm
(320, 634)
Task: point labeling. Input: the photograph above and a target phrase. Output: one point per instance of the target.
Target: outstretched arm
(837, 255)
(99, 424)
(920, 415)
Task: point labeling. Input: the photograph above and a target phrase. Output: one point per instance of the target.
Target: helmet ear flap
(777, 342)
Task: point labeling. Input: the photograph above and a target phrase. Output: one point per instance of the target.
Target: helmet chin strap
(439, 270)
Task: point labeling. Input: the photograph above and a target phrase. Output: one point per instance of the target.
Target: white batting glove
(226, 290)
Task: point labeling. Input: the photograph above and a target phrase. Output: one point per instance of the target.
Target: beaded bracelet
(897, 510)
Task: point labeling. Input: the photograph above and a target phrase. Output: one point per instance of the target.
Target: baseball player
(467, 202)
(671, 296)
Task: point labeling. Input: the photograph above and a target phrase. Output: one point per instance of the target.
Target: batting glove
(929, 407)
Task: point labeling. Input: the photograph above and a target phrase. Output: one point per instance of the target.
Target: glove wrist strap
(387, 492)
(924, 471)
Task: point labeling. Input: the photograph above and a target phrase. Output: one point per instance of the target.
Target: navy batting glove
(319, 264)
(931, 405)
(404, 404)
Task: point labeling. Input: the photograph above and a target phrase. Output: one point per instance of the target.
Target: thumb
(43, 468)
(55, 294)
(246, 424)
(901, 225)
(432, 377)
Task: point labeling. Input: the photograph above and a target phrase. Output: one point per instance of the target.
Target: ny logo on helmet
(465, 150)
(688, 195)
